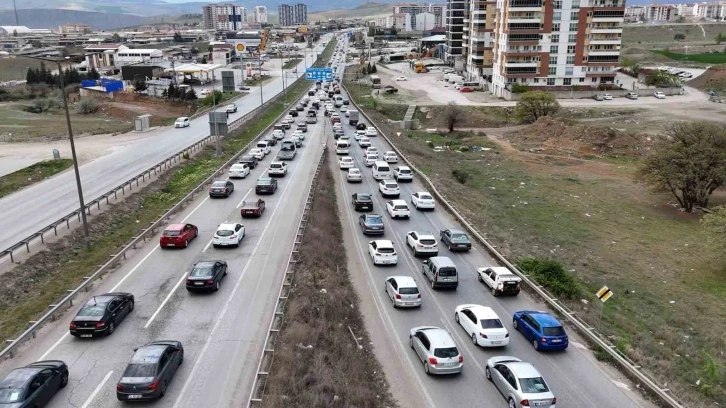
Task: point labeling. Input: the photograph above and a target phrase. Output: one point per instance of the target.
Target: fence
(616, 93)
(585, 329)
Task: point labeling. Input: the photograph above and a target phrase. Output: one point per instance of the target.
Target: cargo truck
(352, 117)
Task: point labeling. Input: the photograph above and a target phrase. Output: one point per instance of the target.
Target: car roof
(99, 299)
(398, 202)
(424, 234)
(19, 376)
(439, 337)
(522, 369)
(151, 353)
(501, 270)
(226, 225)
(265, 179)
(383, 242)
(457, 231)
(208, 264)
(175, 227)
(545, 319)
(404, 281)
(483, 312)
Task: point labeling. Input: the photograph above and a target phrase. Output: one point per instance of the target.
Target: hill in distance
(52, 18)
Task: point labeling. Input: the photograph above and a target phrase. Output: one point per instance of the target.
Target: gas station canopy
(194, 68)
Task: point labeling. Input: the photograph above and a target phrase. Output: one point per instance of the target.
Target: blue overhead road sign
(319, 74)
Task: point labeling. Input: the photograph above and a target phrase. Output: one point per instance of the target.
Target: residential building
(423, 21)
(223, 17)
(381, 21)
(259, 14)
(661, 12)
(401, 22)
(479, 39)
(456, 11)
(221, 53)
(709, 11)
(101, 56)
(684, 9)
(415, 9)
(635, 13)
(291, 15)
(74, 29)
(559, 43)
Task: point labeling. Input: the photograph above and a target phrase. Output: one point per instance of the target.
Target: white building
(402, 22)
(709, 11)
(425, 21)
(126, 55)
(10, 30)
(661, 12)
(259, 14)
(685, 9)
(380, 21)
(635, 12)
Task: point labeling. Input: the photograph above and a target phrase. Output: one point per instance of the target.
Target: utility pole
(282, 70)
(216, 125)
(259, 66)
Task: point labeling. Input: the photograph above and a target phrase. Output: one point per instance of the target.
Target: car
(659, 95)
(390, 89)
(344, 109)
(402, 173)
(365, 142)
(249, 160)
(277, 168)
(243, 88)
(346, 101)
(287, 124)
(346, 162)
(206, 276)
(335, 119)
(402, 291)
(279, 134)
(354, 175)
(300, 107)
(359, 134)
(542, 329)
(34, 384)
(296, 140)
(371, 149)
(398, 209)
(362, 202)
(390, 157)
(302, 127)
(382, 252)
(344, 137)
(631, 95)
(178, 235)
(361, 126)
(228, 234)
(455, 239)
(371, 159)
(271, 140)
(436, 350)
(500, 280)
(519, 382)
(100, 315)
(221, 188)
(292, 113)
(258, 154)
(252, 208)
(598, 97)
(266, 185)
(231, 108)
(282, 125)
(482, 325)
(150, 370)
(466, 89)
(401, 78)
(371, 131)
(422, 243)
(204, 93)
(238, 170)
(311, 120)
(182, 122)
(607, 97)
(371, 224)
(389, 188)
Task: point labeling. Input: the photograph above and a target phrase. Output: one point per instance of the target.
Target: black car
(337, 133)
(331, 94)
(361, 126)
(371, 224)
(363, 202)
(221, 188)
(271, 140)
(101, 314)
(311, 93)
(455, 239)
(206, 276)
(249, 161)
(293, 112)
(33, 385)
(266, 185)
(346, 101)
(243, 88)
(151, 369)
(316, 105)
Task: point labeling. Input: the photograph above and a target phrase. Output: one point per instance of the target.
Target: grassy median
(30, 175)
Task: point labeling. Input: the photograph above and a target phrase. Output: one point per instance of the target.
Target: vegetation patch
(292, 63)
(705, 58)
(552, 275)
(30, 175)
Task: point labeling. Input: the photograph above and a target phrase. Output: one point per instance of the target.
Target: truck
(455, 78)
(420, 68)
(352, 117)
(287, 151)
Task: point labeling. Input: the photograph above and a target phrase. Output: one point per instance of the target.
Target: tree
(178, 37)
(15, 33)
(31, 77)
(533, 105)
(679, 36)
(661, 79)
(374, 69)
(394, 31)
(371, 31)
(715, 225)
(93, 74)
(719, 38)
(204, 59)
(453, 115)
(140, 85)
(116, 38)
(191, 95)
(689, 162)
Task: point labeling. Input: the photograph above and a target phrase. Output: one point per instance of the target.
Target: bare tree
(533, 105)
(453, 115)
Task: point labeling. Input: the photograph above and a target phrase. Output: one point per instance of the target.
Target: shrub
(519, 88)
(464, 148)
(42, 105)
(430, 144)
(462, 176)
(552, 275)
(87, 106)
(185, 155)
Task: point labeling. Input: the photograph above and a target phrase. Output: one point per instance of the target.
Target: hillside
(363, 11)
(52, 18)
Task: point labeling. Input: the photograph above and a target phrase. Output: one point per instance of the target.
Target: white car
(231, 108)
(344, 108)
(278, 134)
(422, 243)
(398, 209)
(608, 97)
(389, 188)
(482, 325)
(390, 157)
(228, 234)
(289, 119)
(337, 126)
(354, 175)
(402, 78)
(277, 168)
(257, 153)
(204, 93)
(403, 292)
(365, 142)
(182, 122)
(500, 280)
(382, 252)
(371, 131)
(359, 134)
(239, 170)
(423, 200)
(371, 149)
(402, 173)
(299, 133)
(335, 115)
(346, 162)
(371, 159)
(347, 114)
(659, 95)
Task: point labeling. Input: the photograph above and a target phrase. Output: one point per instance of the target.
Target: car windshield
(459, 237)
(92, 310)
(140, 370)
(172, 233)
(391, 185)
(275, 166)
(400, 207)
(553, 331)
(219, 184)
(408, 291)
(264, 182)
(447, 272)
(287, 146)
(491, 323)
(10, 395)
(425, 197)
(404, 171)
(247, 159)
(449, 352)
(374, 219)
(533, 385)
(206, 269)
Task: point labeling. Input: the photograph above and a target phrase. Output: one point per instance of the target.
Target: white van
(381, 170)
(455, 78)
(338, 100)
(342, 147)
(264, 146)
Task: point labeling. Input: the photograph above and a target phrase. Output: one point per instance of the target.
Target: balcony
(521, 63)
(521, 71)
(605, 41)
(524, 26)
(603, 52)
(606, 30)
(607, 19)
(523, 37)
(522, 50)
(525, 4)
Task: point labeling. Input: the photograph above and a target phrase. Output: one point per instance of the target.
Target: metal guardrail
(132, 245)
(157, 168)
(585, 329)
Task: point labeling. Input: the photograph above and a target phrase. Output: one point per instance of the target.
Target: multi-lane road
(576, 378)
(31, 209)
(223, 332)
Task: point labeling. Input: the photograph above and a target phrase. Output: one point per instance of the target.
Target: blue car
(542, 329)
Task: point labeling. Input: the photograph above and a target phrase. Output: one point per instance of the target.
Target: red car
(178, 235)
(466, 89)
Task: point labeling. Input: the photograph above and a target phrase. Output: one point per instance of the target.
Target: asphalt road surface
(33, 208)
(222, 332)
(574, 375)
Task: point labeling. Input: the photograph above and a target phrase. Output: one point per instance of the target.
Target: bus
(375, 81)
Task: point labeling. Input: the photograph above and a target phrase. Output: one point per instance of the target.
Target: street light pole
(259, 66)
(282, 70)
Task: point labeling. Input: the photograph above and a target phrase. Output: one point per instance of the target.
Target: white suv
(382, 252)
(278, 134)
(422, 243)
(228, 234)
(364, 142)
(371, 159)
(371, 131)
(390, 157)
(389, 188)
(402, 173)
(398, 209)
(277, 169)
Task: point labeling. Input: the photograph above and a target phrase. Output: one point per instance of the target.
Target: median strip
(32, 174)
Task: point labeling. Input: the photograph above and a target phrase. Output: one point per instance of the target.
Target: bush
(464, 148)
(552, 275)
(520, 88)
(42, 105)
(87, 106)
(430, 144)
(185, 155)
(462, 176)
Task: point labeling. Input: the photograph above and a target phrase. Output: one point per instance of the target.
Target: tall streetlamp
(86, 234)
(282, 71)
(259, 66)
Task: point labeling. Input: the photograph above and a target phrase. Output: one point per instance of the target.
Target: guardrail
(132, 245)
(157, 168)
(585, 329)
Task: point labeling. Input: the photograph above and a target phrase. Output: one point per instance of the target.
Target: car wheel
(111, 328)
(433, 285)
(216, 286)
(186, 243)
(535, 344)
(512, 404)
(478, 276)
(393, 302)
(410, 342)
(488, 373)
(131, 307)
(456, 317)
(426, 368)
(181, 358)
(494, 292)
(473, 339)
(515, 325)
(225, 272)
(415, 253)
(64, 379)
(162, 392)
(449, 247)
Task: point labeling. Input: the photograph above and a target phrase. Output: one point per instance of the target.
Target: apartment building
(259, 15)
(634, 13)
(424, 21)
(414, 9)
(479, 39)
(223, 17)
(401, 22)
(456, 11)
(661, 12)
(710, 11)
(74, 29)
(291, 15)
(560, 43)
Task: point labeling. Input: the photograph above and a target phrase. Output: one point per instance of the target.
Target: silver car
(403, 292)
(436, 349)
(519, 382)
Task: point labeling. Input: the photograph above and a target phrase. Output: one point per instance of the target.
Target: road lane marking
(195, 209)
(97, 390)
(207, 246)
(245, 197)
(161, 306)
(56, 344)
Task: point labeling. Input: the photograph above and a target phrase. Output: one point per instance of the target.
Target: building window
(573, 26)
(574, 15)
(536, 80)
(550, 81)
(582, 80)
(557, 4)
(554, 49)
(552, 71)
(575, 4)
(572, 38)
(555, 26)
(567, 81)
(570, 49)
(568, 71)
(557, 16)
(555, 38)
(553, 60)
(570, 59)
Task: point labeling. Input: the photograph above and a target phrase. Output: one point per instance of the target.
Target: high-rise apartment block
(478, 50)
(416, 9)
(293, 14)
(259, 14)
(223, 17)
(456, 12)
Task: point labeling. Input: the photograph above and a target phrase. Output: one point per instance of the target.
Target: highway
(33, 208)
(574, 375)
(222, 332)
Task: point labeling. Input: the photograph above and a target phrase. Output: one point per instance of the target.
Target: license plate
(408, 304)
(557, 341)
(170, 244)
(541, 403)
(447, 364)
(199, 283)
(135, 396)
(86, 335)
(249, 212)
(496, 342)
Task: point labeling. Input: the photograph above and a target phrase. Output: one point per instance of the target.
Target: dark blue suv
(542, 329)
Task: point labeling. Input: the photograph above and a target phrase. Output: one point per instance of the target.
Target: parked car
(354, 175)
(182, 122)
(631, 95)
(542, 329)
(436, 349)
(231, 108)
(151, 369)
(598, 97)
(100, 315)
(500, 280)
(482, 325)
(455, 239)
(34, 384)
(228, 234)
(362, 202)
(178, 235)
(371, 224)
(607, 97)
(519, 382)
(659, 95)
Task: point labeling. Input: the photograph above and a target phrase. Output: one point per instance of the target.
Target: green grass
(30, 175)
(16, 68)
(704, 58)
(292, 63)
(257, 82)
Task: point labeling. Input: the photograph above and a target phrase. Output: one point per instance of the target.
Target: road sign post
(603, 294)
(319, 74)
